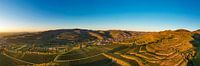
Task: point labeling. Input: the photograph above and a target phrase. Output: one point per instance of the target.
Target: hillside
(3, 34)
(111, 48)
(166, 48)
(65, 36)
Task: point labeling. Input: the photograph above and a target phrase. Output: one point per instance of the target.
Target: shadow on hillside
(196, 43)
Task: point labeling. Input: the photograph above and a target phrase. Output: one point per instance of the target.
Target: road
(17, 59)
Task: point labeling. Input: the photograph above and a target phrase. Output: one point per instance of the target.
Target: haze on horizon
(136, 15)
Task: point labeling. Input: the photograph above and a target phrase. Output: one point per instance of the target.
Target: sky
(134, 15)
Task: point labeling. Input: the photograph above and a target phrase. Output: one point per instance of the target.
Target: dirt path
(18, 59)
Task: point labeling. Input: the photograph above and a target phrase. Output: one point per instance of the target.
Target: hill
(197, 31)
(165, 48)
(64, 36)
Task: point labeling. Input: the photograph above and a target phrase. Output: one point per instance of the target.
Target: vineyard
(167, 48)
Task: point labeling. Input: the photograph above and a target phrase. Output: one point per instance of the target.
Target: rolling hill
(64, 36)
(165, 48)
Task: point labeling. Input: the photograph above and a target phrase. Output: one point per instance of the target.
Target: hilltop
(64, 36)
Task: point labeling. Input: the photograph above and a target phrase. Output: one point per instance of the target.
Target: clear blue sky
(139, 15)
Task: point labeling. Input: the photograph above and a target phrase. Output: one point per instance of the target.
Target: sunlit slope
(165, 48)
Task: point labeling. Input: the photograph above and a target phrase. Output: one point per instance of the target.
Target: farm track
(78, 59)
(118, 60)
(18, 59)
(55, 59)
(139, 61)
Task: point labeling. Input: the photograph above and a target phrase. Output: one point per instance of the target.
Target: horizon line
(21, 31)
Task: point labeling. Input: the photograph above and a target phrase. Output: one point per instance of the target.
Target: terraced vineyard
(162, 49)
(89, 56)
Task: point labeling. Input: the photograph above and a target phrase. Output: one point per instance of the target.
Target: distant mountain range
(63, 36)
